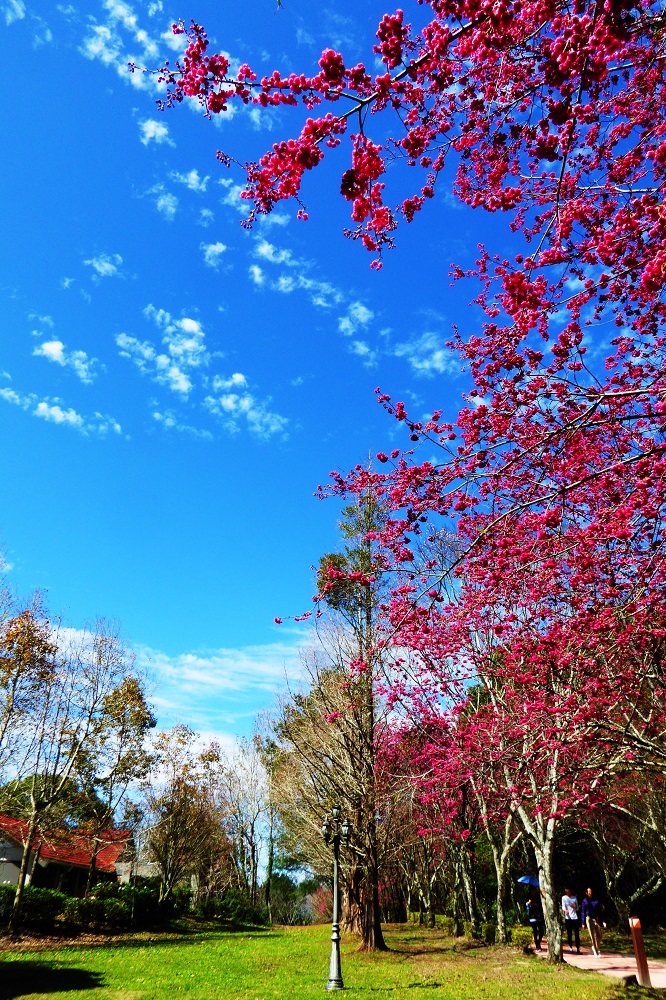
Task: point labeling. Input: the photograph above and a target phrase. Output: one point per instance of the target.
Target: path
(618, 966)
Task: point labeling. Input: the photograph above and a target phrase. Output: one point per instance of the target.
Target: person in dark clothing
(535, 915)
(591, 912)
(571, 921)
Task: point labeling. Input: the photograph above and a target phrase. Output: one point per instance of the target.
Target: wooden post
(639, 952)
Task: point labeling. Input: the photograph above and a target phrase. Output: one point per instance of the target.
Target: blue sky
(172, 387)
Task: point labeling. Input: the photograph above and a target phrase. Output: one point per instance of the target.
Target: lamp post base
(334, 984)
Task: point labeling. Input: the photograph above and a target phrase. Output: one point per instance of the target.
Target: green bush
(117, 914)
(522, 938)
(237, 908)
(447, 924)
(488, 932)
(39, 907)
(87, 911)
(470, 931)
(7, 893)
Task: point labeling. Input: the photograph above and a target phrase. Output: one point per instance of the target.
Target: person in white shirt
(571, 921)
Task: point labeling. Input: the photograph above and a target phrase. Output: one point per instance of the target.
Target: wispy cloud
(55, 411)
(427, 355)
(170, 420)
(357, 316)
(321, 293)
(41, 320)
(256, 274)
(234, 408)
(191, 180)
(154, 131)
(268, 252)
(13, 10)
(185, 349)
(108, 43)
(236, 681)
(205, 217)
(212, 253)
(78, 361)
(166, 203)
(105, 265)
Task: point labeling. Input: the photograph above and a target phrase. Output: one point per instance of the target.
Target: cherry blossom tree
(552, 477)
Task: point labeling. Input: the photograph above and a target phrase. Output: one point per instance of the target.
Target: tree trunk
(91, 871)
(14, 919)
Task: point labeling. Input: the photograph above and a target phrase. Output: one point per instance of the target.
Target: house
(60, 859)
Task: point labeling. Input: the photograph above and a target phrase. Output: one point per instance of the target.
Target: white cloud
(273, 255)
(185, 349)
(357, 316)
(165, 203)
(11, 397)
(56, 412)
(105, 265)
(102, 44)
(233, 196)
(233, 408)
(42, 33)
(184, 338)
(41, 320)
(321, 293)
(212, 253)
(107, 43)
(154, 131)
(156, 7)
(205, 217)
(14, 10)
(223, 688)
(363, 351)
(66, 282)
(236, 381)
(191, 180)
(171, 421)
(158, 366)
(426, 355)
(54, 350)
(78, 361)
(273, 219)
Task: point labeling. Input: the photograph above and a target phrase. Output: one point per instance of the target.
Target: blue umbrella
(528, 880)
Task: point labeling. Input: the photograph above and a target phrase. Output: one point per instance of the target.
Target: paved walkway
(618, 966)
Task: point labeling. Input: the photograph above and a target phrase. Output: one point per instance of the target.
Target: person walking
(571, 921)
(535, 914)
(591, 911)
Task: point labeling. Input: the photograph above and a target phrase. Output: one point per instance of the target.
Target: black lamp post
(333, 832)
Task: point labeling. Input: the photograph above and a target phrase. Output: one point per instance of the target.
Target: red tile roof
(69, 847)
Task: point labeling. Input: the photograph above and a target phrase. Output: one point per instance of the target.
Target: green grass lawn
(288, 962)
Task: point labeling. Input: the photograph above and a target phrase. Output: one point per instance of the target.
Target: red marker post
(639, 952)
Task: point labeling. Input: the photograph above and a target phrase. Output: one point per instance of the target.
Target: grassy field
(288, 962)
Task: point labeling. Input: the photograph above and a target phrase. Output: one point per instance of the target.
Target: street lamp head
(335, 813)
(345, 831)
(326, 830)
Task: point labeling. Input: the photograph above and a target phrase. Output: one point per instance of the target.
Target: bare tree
(64, 719)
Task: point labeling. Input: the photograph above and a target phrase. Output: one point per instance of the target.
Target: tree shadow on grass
(18, 979)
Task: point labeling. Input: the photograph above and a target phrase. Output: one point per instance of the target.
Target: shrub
(522, 938)
(488, 932)
(87, 911)
(116, 914)
(7, 893)
(239, 910)
(447, 924)
(471, 931)
(39, 907)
